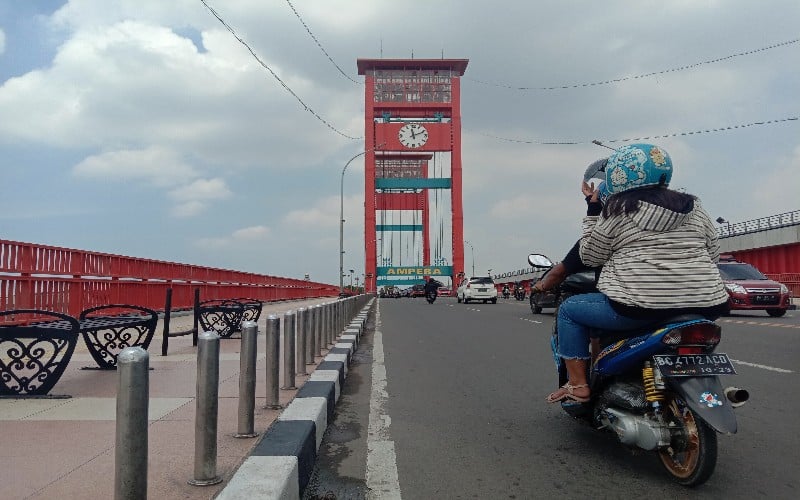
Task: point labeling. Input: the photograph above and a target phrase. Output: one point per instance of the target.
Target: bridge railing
(728, 229)
(69, 281)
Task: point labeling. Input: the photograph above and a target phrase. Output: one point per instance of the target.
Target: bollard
(310, 325)
(247, 380)
(288, 350)
(273, 362)
(318, 330)
(300, 341)
(130, 455)
(206, 411)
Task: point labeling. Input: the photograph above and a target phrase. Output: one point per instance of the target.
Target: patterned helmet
(603, 193)
(637, 166)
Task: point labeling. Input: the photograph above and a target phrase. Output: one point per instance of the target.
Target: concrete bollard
(318, 330)
(300, 339)
(288, 350)
(311, 315)
(130, 455)
(273, 363)
(206, 411)
(247, 381)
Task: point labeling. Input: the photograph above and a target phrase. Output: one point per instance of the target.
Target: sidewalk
(64, 448)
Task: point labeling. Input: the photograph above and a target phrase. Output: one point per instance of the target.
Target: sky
(145, 128)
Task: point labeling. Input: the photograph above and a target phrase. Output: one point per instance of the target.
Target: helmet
(595, 170)
(637, 166)
(603, 193)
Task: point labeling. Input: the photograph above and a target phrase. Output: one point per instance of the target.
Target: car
(444, 291)
(749, 289)
(417, 291)
(477, 288)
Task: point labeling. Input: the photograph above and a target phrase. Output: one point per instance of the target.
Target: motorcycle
(658, 389)
(519, 293)
(431, 296)
(506, 292)
(581, 282)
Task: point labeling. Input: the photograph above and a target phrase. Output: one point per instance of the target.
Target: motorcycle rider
(506, 291)
(432, 285)
(658, 249)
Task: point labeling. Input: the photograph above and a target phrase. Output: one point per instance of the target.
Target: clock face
(413, 135)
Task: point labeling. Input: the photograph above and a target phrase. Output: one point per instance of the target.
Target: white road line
(765, 367)
(382, 479)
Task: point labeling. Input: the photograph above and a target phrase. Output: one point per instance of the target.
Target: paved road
(465, 414)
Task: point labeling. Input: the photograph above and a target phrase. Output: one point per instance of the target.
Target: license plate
(694, 365)
(481, 289)
(766, 299)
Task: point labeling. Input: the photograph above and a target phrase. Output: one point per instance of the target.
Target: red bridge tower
(412, 128)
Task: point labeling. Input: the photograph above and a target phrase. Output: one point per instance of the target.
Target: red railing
(68, 281)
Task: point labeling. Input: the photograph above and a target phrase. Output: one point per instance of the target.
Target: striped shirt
(655, 258)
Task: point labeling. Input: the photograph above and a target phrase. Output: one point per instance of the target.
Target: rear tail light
(702, 334)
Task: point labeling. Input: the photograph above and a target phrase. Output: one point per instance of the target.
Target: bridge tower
(412, 129)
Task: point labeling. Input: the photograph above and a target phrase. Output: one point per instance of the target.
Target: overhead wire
(297, 14)
(636, 77)
(661, 136)
(283, 84)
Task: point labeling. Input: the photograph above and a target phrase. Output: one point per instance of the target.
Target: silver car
(477, 288)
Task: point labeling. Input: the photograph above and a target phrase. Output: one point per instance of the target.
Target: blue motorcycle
(659, 390)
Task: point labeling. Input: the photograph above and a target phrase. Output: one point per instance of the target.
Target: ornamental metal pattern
(109, 329)
(33, 356)
(224, 317)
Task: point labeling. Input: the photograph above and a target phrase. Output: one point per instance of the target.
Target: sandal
(564, 393)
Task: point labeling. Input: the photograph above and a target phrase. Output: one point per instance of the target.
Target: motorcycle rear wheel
(692, 456)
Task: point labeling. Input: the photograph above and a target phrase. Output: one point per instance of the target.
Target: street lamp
(341, 217)
(351, 278)
(473, 256)
(720, 220)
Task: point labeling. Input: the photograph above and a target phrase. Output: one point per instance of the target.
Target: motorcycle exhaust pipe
(737, 396)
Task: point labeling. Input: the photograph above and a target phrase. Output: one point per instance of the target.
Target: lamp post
(473, 256)
(720, 220)
(341, 217)
(351, 278)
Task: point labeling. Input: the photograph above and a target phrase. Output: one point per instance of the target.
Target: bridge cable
(283, 84)
(662, 136)
(635, 77)
(320, 45)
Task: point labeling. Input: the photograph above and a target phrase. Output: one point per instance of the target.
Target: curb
(281, 463)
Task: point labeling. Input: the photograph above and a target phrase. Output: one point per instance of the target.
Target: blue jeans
(581, 314)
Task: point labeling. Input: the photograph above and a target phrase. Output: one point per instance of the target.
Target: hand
(589, 191)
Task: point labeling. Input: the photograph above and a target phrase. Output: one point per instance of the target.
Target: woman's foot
(570, 393)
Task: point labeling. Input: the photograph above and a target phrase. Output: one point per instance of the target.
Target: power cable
(663, 136)
(320, 45)
(283, 84)
(646, 75)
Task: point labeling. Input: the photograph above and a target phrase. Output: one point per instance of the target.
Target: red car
(749, 289)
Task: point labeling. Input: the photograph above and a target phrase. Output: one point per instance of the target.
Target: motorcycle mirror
(539, 260)
(596, 170)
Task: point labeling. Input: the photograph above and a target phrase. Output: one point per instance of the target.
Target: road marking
(531, 321)
(765, 367)
(758, 323)
(382, 478)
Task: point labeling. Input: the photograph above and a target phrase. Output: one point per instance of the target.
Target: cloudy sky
(145, 128)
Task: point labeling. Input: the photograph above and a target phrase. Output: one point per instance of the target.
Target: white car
(477, 288)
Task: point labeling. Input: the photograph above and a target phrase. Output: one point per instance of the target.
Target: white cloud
(155, 165)
(202, 190)
(250, 234)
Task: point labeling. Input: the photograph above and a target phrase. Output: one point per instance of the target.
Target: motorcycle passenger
(658, 249)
